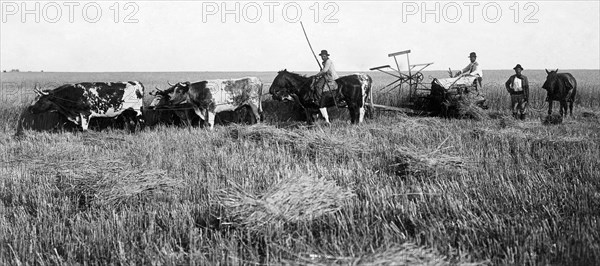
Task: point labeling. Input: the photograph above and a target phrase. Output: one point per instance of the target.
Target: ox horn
(43, 92)
(38, 91)
(153, 93)
(170, 83)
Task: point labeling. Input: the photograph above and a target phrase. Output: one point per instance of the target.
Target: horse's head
(552, 83)
(284, 86)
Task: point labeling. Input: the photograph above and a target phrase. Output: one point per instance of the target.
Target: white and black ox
(80, 102)
(292, 87)
(208, 97)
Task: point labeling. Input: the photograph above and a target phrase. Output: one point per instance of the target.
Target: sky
(111, 36)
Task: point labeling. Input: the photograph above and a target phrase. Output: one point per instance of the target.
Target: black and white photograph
(310, 132)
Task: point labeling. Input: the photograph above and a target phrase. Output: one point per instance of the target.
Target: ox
(561, 87)
(209, 97)
(81, 102)
(288, 86)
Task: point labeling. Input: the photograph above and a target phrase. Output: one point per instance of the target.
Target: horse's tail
(573, 91)
(571, 83)
(571, 95)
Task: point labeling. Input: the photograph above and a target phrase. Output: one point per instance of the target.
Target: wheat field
(396, 190)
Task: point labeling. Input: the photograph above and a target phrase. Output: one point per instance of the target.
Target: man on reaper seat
(325, 80)
(472, 69)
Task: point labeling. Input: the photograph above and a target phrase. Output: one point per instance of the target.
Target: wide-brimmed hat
(518, 66)
(472, 54)
(324, 52)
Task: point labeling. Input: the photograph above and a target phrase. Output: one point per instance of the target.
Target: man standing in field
(328, 75)
(472, 69)
(518, 87)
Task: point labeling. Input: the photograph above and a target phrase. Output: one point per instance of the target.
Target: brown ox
(209, 97)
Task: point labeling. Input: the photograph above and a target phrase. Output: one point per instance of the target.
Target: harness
(310, 80)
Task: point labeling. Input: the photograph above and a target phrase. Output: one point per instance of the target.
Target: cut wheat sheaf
(106, 182)
(293, 199)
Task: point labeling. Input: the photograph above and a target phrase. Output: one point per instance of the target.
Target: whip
(309, 45)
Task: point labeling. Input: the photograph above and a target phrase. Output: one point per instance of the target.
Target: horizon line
(253, 71)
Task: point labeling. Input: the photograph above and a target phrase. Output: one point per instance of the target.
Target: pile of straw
(320, 142)
(112, 182)
(503, 132)
(293, 199)
(468, 107)
(405, 254)
(263, 132)
(458, 102)
(133, 184)
(313, 141)
(410, 161)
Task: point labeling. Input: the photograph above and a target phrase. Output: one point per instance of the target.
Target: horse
(293, 87)
(560, 87)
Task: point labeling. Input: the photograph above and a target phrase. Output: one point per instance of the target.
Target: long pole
(309, 45)
(319, 63)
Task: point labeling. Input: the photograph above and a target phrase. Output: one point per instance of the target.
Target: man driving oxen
(325, 79)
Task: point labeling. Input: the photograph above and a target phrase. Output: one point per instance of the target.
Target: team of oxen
(202, 100)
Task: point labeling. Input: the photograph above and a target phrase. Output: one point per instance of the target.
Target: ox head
(283, 86)
(42, 102)
(174, 95)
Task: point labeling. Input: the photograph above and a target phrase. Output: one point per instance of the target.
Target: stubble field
(394, 190)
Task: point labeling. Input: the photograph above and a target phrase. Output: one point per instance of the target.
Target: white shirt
(473, 69)
(517, 84)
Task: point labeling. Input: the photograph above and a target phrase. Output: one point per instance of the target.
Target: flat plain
(395, 190)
